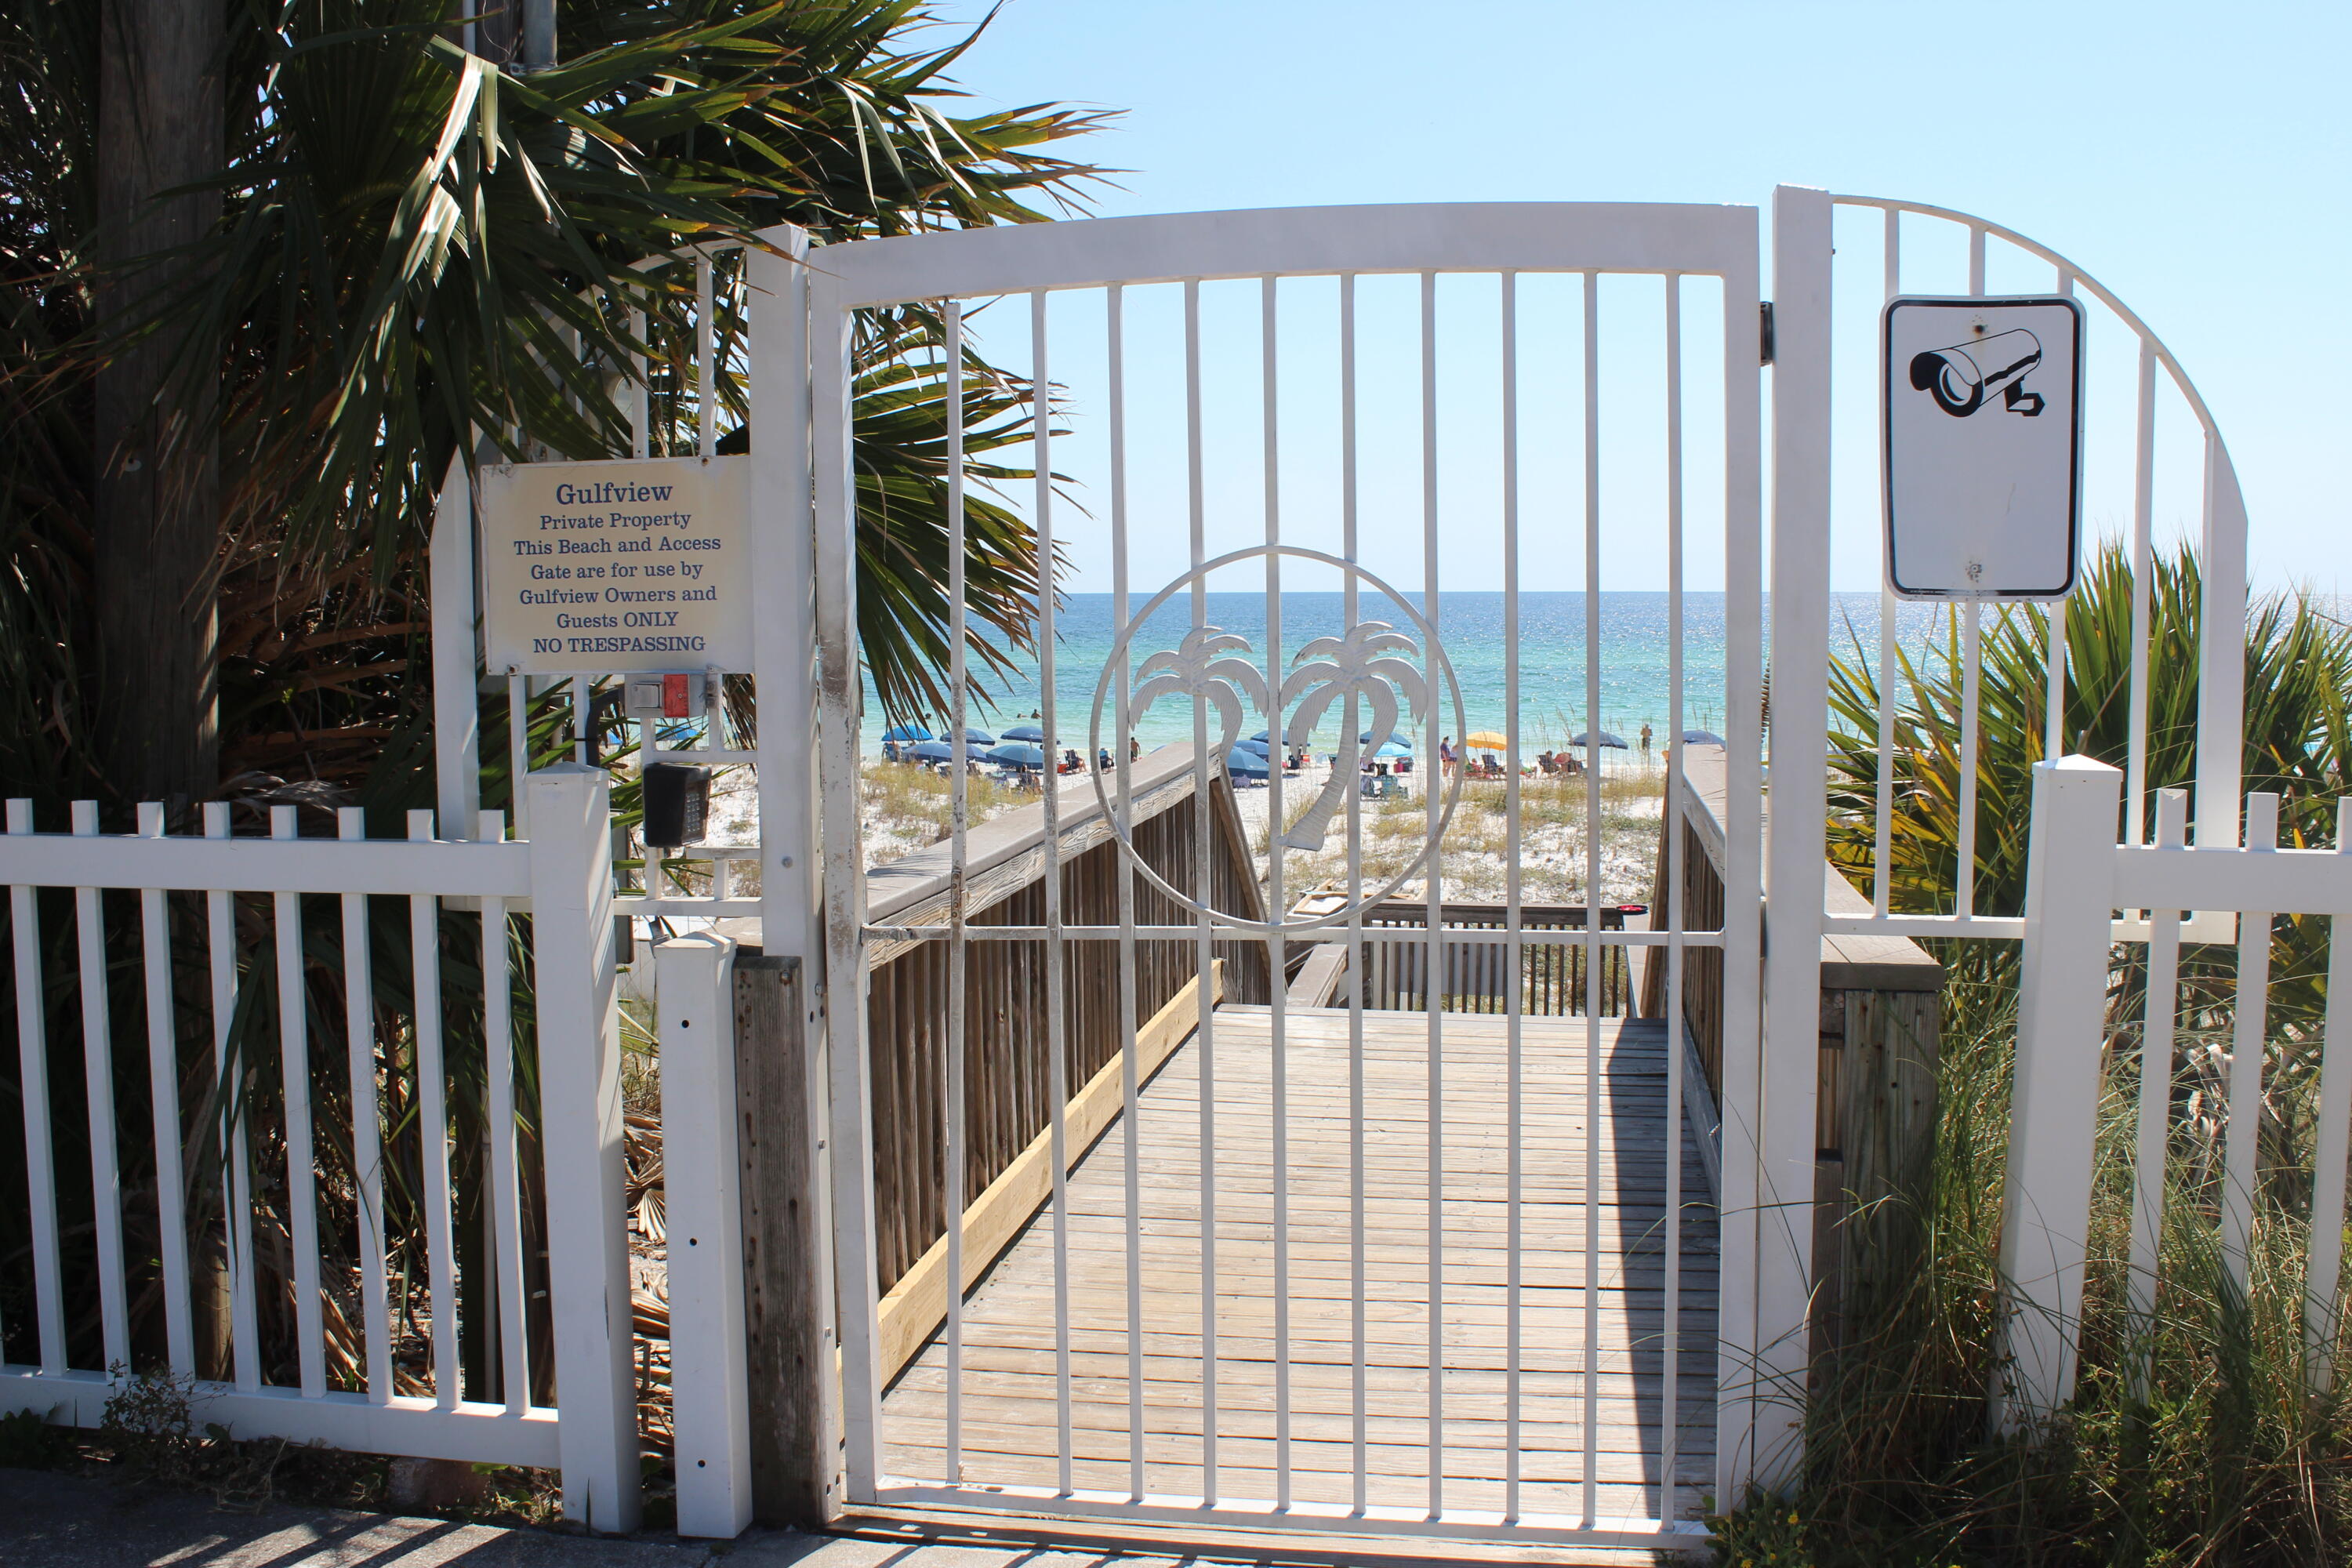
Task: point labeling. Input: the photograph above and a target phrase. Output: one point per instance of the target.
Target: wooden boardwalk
(1009, 1420)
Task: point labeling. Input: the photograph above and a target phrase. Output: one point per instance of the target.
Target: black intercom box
(678, 804)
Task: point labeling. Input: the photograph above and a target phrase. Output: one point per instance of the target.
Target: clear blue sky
(2193, 158)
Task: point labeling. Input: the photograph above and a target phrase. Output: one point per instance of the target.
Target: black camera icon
(1961, 377)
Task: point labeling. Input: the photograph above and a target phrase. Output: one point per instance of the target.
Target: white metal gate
(1443, 1294)
(1486, 1329)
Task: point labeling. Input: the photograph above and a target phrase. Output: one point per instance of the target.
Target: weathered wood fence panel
(1551, 975)
(1006, 1068)
(914, 1308)
(1880, 1012)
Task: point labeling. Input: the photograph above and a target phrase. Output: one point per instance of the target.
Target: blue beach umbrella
(906, 732)
(1260, 746)
(1012, 754)
(931, 751)
(1393, 748)
(979, 738)
(1245, 764)
(1701, 738)
(1603, 739)
(1394, 738)
(1024, 733)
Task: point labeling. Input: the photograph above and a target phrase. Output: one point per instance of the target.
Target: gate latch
(1764, 332)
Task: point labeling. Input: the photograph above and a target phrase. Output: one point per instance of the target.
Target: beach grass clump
(2197, 1434)
(904, 807)
(2205, 1431)
(1480, 846)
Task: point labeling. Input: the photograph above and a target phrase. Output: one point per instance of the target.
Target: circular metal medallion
(1373, 662)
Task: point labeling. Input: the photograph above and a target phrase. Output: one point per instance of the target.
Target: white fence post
(709, 1399)
(580, 1112)
(787, 583)
(2324, 1269)
(1787, 1142)
(2241, 1134)
(2053, 1113)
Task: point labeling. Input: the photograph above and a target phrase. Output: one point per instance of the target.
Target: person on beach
(1645, 745)
(1446, 757)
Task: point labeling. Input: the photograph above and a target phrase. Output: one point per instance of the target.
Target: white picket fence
(2079, 874)
(563, 878)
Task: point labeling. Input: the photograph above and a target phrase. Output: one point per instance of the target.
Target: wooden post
(1881, 1041)
(457, 698)
(789, 1351)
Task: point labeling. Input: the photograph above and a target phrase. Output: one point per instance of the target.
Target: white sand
(1549, 845)
(1480, 845)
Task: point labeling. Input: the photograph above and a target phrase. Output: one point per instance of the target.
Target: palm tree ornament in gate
(1372, 661)
(1207, 668)
(1212, 668)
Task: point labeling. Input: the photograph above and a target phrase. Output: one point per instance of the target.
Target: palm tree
(2298, 685)
(2297, 745)
(410, 247)
(156, 499)
(1364, 663)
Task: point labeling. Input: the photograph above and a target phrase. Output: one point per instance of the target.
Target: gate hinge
(1764, 332)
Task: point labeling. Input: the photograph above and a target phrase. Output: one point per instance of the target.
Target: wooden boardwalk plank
(1010, 1385)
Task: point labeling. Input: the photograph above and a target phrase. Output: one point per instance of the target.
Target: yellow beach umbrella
(1487, 741)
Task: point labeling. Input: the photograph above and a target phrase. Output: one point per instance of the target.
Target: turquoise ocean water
(1635, 660)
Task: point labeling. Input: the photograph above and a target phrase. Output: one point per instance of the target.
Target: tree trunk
(157, 524)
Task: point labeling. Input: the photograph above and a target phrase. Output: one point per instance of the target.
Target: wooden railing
(1478, 975)
(1880, 997)
(1006, 1067)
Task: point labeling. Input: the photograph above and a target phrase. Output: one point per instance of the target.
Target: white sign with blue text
(624, 567)
(1982, 423)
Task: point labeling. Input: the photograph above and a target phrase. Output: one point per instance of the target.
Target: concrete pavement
(55, 1521)
(49, 1519)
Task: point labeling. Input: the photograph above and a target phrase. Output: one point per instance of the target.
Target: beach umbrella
(1014, 754)
(1024, 733)
(979, 738)
(901, 732)
(1393, 749)
(1603, 739)
(1246, 764)
(1260, 746)
(1261, 735)
(1701, 738)
(1487, 741)
(1393, 740)
(931, 751)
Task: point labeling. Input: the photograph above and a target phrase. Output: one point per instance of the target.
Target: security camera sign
(1983, 429)
(618, 566)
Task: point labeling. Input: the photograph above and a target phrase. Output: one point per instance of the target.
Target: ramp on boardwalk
(1009, 1417)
